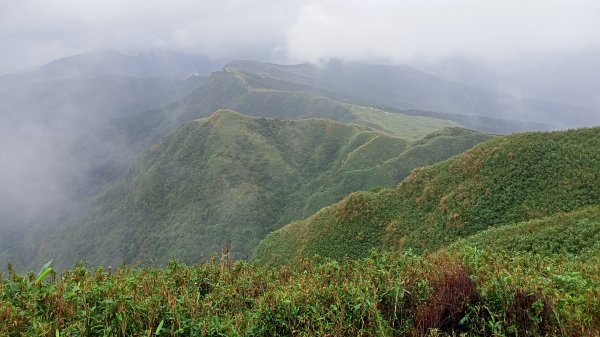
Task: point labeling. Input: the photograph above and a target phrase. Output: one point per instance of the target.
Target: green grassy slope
(503, 181)
(574, 233)
(231, 179)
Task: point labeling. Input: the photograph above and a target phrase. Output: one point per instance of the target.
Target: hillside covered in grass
(230, 179)
(575, 233)
(502, 181)
(534, 278)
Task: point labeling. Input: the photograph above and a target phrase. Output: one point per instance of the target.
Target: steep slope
(405, 87)
(503, 181)
(230, 180)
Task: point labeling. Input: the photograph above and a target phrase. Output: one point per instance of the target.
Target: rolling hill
(502, 181)
(231, 179)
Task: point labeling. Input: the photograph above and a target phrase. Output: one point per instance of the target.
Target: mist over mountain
(61, 127)
(569, 79)
(406, 87)
(73, 127)
(57, 136)
(159, 64)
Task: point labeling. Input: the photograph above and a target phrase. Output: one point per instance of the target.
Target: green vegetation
(398, 124)
(564, 234)
(503, 181)
(471, 292)
(230, 179)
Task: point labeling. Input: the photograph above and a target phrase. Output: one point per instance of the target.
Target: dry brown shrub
(525, 317)
(452, 293)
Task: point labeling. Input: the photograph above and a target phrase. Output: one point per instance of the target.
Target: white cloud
(403, 30)
(35, 31)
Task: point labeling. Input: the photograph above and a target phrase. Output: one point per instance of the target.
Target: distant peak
(226, 113)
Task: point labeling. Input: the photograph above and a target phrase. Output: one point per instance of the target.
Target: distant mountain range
(169, 65)
(405, 87)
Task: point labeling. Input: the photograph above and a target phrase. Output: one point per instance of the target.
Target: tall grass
(469, 292)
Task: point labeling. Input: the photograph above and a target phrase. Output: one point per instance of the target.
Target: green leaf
(160, 325)
(46, 269)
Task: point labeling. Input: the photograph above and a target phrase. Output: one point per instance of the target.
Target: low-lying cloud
(33, 32)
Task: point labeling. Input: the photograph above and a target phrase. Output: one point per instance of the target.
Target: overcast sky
(33, 32)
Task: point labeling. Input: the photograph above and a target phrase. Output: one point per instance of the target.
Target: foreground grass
(469, 291)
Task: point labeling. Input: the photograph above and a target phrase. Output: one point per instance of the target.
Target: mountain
(87, 131)
(67, 140)
(502, 181)
(257, 94)
(405, 87)
(567, 77)
(231, 179)
(157, 64)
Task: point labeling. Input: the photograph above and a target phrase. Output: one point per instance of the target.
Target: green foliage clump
(502, 181)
